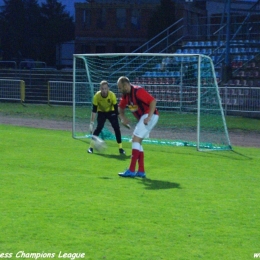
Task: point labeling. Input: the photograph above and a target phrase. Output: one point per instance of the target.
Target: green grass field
(57, 198)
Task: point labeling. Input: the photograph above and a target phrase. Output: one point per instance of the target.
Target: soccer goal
(184, 85)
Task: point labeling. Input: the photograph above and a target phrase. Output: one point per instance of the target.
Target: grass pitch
(57, 198)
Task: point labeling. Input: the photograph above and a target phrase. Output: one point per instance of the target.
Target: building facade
(120, 26)
(111, 26)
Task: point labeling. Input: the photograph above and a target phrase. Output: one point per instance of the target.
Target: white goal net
(184, 85)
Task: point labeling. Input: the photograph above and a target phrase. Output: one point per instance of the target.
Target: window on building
(135, 19)
(121, 18)
(101, 18)
(86, 18)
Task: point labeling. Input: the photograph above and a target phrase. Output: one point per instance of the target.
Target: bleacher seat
(244, 57)
(160, 74)
(251, 57)
(201, 43)
(237, 58)
(157, 66)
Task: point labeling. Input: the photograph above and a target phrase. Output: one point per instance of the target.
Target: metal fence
(243, 101)
(235, 100)
(60, 92)
(36, 81)
(12, 90)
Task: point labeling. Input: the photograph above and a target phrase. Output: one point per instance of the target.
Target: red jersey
(138, 101)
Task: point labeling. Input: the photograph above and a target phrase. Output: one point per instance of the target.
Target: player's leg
(145, 133)
(141, 131)
(113, 119)
(136, 147)
(101, 119)
(141, 171)
(135, 155)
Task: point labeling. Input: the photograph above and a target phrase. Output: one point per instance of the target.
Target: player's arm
(152, 107)
(92, 118)
(124, 120)
(121, 110)
(116, 109)
(121, 113)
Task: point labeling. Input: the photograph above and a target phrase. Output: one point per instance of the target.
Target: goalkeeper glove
(91, 126)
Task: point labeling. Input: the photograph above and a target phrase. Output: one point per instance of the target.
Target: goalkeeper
(143, 107)
(105, 105)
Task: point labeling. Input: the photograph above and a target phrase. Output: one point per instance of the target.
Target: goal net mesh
(184, 85)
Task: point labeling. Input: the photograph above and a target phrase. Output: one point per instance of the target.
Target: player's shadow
(150, 184)
(121, 157)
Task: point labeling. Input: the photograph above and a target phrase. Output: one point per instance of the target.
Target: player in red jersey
(143, 107)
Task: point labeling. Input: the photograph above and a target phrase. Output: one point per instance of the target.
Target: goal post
(184, 85)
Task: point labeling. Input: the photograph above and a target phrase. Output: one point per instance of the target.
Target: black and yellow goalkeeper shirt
(105, 104)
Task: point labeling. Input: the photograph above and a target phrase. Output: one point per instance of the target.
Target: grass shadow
(105, 178)
(242, 155)
(150, 184)
(231, 154)
(121, 157)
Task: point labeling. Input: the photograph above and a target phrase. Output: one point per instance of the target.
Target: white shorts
(142, 130)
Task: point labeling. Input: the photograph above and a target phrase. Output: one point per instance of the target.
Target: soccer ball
(98, 144)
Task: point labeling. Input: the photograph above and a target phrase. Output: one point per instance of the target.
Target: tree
(33, 29)
(58, 27)
(12, 28)
(19, 20)
(28, 30)
(163, 17)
